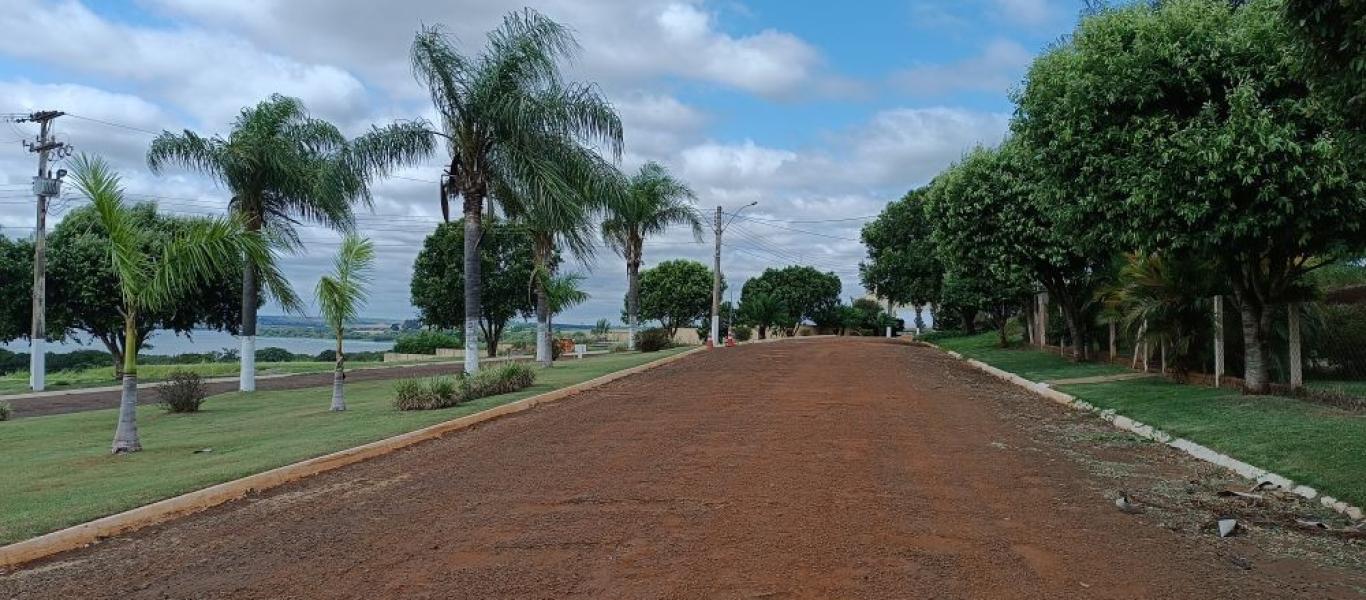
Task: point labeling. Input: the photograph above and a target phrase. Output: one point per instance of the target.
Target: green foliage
(182, 392)
(903, 263)
(341, 293)
(426, 341)
(444, 392)
(742, 333)
(80, 273)
(602, 327)
(762, 311)
(1331, 38)
(438, 285)
(802, 292)
(273, 354)
(1336, 347)
(16, 288)
(654, 339)
(6, 411)
(677, 293)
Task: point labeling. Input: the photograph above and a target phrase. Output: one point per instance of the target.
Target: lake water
(166, 343)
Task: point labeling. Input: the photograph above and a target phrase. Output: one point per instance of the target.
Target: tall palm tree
(500, 111)
(653, 201)
(341, 294)
(559, 223)
(151, 278)
(283, 167)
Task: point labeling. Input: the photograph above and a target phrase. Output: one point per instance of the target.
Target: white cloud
(1027, 12)
(1000, 65)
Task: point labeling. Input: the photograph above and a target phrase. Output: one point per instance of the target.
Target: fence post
(1113, 352)
(1296, 363)
(1218, 339)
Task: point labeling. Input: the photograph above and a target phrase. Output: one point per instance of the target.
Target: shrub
(427, 341)
(741, 333)
(273, 354)
(444, 392)
(653, 340)
(5, 410)
(183, 392)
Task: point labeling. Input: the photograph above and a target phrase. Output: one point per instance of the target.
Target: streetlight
(719, 228)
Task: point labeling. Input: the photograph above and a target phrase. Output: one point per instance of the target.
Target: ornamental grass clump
(444, 392)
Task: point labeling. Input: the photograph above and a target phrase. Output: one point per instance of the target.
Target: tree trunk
(126, 435)
(473, 279)
(544, 354)
(247, 359)
(632, 295)
(492, 335)
(763, 332)
(1071, 315)
(1256, 345)
(338, 378)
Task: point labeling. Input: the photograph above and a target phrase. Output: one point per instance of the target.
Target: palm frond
(341, 294)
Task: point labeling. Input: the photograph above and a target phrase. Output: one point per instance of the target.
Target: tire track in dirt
(803, 469)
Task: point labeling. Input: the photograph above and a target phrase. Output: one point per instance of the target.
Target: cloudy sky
(820, 111)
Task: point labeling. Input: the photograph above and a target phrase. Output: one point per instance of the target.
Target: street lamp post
(715, 338)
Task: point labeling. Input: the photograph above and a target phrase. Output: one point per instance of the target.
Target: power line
(112, 124)
(794, 229)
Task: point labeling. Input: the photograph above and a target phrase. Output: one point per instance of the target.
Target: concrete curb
(78, 536)
(1147, 431)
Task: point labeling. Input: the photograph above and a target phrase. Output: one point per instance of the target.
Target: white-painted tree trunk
(338, 398)
(126, 435)
(247, 377)
(631, 335)
(542, 342)
(37, 368)
(471, 346)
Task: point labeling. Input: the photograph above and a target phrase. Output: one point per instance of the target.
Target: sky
(822, 112)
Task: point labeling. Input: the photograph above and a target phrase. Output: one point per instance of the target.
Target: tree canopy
(803, 292)
(438, 286)
(677, 293)
(902, 264)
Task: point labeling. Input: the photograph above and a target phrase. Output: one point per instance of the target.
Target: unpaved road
(807, 469)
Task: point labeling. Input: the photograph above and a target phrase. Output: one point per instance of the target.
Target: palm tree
(340, 297)
(653, 201)
(500, 113)
(562, 292)
(762, 311)
(151, 278)
(283, 167)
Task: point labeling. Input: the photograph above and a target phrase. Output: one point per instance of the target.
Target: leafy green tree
(677, 293)
(903, 264)
(802, 291)
(282, 166)
(16, 288)
(762, 311)
(1331, 36)
(602, 328)
(653, 201)
(437, 288)
(1192, 132)
(341, 294)
(505, 114)
(80, 275)
(151, 279)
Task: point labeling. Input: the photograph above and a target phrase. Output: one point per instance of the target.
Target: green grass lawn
(1317, 445)
(1023, 361)
(17, 382)
(58, 470)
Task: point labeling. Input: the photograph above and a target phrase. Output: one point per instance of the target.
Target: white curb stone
(1147, 431)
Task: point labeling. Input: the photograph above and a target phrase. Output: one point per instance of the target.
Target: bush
(427, 341)
(444, 392)
(742, 333)
(653, 340)
(5, 411)
(182, 392)
(273, 354)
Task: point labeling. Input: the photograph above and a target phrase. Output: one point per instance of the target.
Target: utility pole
(44, 186)
(715, 338)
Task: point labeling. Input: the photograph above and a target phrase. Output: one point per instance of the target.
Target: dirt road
(806, 469)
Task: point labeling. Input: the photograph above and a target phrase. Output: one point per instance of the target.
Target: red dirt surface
(808, 469)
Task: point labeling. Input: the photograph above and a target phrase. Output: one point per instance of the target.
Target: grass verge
(17, 382)
(1320, 446)
(61, 473)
